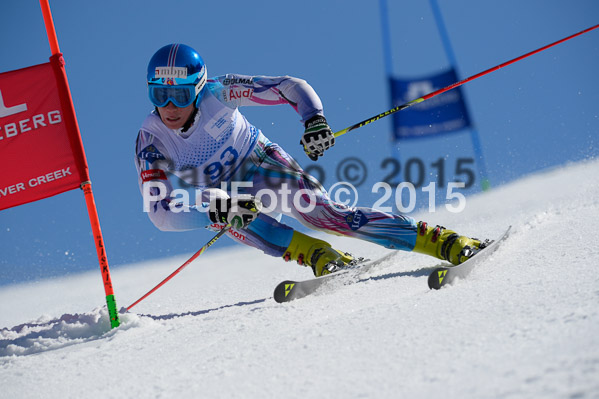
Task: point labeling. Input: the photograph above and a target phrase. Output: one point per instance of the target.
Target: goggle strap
(201, 83)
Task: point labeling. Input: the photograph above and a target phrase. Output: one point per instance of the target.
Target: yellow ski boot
(445, 244)
(318, 254)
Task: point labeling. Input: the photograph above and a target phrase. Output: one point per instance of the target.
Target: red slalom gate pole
(74, 134)
(454, 85)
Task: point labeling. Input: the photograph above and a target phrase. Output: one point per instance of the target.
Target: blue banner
(443, 113)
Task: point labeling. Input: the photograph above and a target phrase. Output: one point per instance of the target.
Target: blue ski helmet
(176, 73)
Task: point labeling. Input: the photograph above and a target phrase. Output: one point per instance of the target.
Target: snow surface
(524, 325)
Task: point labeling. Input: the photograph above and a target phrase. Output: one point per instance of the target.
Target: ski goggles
(181, 96)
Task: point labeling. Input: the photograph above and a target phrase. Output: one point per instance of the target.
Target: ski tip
(282, 291)
(436, 279)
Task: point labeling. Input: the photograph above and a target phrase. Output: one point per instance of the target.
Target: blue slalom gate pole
(474, 136)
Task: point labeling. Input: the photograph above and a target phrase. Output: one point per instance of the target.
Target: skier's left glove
(317, 138)
(238, 211)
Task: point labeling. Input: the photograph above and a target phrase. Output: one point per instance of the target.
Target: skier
(196, 139)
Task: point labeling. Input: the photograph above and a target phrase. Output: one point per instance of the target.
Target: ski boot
(445, 244)
(318, 254)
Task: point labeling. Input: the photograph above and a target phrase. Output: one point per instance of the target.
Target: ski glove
(317, 138)
(238, 211)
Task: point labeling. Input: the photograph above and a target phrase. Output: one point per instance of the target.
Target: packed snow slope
(525, 324)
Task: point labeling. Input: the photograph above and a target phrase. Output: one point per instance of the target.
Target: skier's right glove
(317, 138)
(237, 211)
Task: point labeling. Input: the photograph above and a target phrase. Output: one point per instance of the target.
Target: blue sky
(538, 113)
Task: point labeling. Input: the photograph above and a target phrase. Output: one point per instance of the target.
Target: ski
(443, 276)
(290, 290)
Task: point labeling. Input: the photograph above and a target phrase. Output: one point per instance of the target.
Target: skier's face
(173, 116)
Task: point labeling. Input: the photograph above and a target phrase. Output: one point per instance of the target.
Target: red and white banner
(37, 159)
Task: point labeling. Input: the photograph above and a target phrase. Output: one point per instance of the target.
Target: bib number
(227, 158)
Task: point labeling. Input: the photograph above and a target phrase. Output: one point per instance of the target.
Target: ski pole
(454, 85)
(205, 247)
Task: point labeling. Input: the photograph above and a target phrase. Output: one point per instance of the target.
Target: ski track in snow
(525, 324)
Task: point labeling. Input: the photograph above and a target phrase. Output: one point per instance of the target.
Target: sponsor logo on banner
(12, 129)
(418, 89)
(444, 113)
(35, 182)
(34, 142)
(7, 111)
